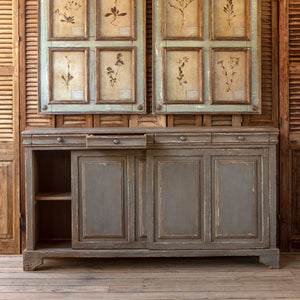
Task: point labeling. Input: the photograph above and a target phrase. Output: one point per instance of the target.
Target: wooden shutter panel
(9, 129)
(6, 72)
(31, 56)
(294, 65)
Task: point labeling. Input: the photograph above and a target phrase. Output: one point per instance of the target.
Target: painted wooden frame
(115, 21)
(62, 79)
(68, 20)
(230, 75)
(136, 105)
(182, 75)
(250, 104)
(229, 19)
(116, 79)
(190, 25)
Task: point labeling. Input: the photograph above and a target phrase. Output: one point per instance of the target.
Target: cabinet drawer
(118, 142)
(182, 139)
(58, 140)
(247, 138)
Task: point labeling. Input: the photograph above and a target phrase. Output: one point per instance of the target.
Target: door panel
(6, 205)
(104, 198)
(104, 203)
(238, 200)
(9, 129)
(177, 201)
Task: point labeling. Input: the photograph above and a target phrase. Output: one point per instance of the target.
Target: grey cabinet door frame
(177, 213)
(240, 204)
(228, 220)
(104, 199)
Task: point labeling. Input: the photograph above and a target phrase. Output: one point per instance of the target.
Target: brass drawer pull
(241, 138)
(116, 141)
(182, 138)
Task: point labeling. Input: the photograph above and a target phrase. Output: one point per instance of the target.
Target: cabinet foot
(31, 261)
(270, 258)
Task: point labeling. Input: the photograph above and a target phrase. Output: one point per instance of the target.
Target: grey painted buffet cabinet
(151, 192)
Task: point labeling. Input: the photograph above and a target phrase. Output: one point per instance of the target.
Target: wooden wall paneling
(184, 120)
(290, 127)
(30, 12)
(295, 196)
(111, 121)
(9, 129)
(74, 121)
(284, 169)
(269, 60)
(294, 66)
(147, 121)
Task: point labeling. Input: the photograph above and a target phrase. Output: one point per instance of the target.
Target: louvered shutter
(9, 132)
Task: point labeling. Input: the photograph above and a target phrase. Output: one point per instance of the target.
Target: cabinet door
(240, 198)
(175, 195)
(103, 191)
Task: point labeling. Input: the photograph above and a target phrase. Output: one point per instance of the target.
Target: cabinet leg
(31, 261)
(270, 258)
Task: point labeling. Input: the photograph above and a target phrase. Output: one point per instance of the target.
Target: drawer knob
(241, 138)
(182, 138)
(60, 139)
(116, 141)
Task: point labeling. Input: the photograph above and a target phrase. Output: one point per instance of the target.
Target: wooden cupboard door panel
(6, 203)
(177, 202)
(102, 202)
(109, 199)
(103, 198)
(239, 204)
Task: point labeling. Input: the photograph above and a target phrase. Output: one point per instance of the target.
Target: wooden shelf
(54, 244)
(53, 196)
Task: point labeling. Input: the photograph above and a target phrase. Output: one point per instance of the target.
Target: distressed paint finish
(93, 107)
(206, 44)
(240, 205)
(103, 199)
(203, 191)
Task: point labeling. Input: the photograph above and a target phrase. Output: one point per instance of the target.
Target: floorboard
(151, 279)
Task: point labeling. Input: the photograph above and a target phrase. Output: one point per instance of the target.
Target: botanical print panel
(115, 73)
(67, 19)
(183, 75)
(115, 19)
(182, 19)
(231, 76)
(230, 19)
(68, 75)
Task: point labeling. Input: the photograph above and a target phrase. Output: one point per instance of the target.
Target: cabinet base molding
(33, 259)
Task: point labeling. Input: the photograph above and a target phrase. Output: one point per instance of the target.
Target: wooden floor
(157, 279)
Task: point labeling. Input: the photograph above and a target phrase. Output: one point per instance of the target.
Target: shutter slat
(294, 65)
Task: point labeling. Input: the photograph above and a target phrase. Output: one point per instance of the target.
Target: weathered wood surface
(160, 279)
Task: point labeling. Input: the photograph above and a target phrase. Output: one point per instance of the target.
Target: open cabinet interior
(53, 198)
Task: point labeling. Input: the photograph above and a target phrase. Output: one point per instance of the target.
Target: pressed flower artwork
(68, 75)
(115, 19)
(183, 75)
(231, 80)
(182, 19)
(67, 19)
(230, 19)
(115, 75)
